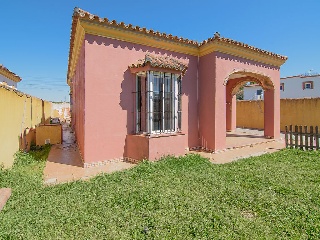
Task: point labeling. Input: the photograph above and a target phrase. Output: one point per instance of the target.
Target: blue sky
(34, 36)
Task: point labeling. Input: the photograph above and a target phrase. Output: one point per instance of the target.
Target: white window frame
(307, 84)
(149, 102)
(281, 86)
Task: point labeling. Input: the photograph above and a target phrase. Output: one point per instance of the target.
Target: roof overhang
(166, 63)
(234, 48)
(86, 23)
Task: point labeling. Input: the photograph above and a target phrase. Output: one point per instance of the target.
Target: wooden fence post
(311, 137)
(291, 141)
(301, 138)
(306, 137)
(296, 136)
(317, 138)
(286, 136)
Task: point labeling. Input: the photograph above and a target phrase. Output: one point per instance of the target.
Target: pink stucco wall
(78, 100)
(207, 104)
(214, 70)
(109, 108)
(154, 147)
(103, 100)
(166, 145)
(137, 147)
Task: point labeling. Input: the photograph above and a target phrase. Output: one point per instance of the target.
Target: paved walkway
(244, 143)
(234, 154)
(64, 162)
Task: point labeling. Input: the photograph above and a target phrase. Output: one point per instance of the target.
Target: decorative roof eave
(238, 49)
(84, 15)
(142, 70)
(84, 22)
(138, 37)
(162, 62)
(76, 41)
(8, 74)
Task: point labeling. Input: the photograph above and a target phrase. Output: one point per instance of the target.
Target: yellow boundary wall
(19, 114)
(302, 111)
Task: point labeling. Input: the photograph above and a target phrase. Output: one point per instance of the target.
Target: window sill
(160, 135)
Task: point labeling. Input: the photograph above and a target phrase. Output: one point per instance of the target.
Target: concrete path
(64, 162)
(244, 143)
(251, 150)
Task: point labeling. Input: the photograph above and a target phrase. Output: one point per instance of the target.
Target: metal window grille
(158, 101)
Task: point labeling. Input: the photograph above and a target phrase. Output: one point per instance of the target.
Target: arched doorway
(234, 82)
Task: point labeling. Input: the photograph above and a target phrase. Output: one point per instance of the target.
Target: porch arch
(234, 81)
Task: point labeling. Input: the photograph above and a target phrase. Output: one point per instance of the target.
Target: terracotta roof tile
(218, 38)
(81, 14)
(86, 15)
(161, 62)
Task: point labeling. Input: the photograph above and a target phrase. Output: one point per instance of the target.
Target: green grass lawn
(274, 196)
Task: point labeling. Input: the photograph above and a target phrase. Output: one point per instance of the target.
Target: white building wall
(250, 93)
(293, 88)
(8, 81)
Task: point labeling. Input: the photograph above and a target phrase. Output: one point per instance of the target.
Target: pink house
(140, 94)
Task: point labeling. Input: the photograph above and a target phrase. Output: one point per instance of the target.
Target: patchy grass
(274, 196)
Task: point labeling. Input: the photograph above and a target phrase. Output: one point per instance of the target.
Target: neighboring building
(137, 93)
(8, 78)
(300, 87)
(290, 87)
(252, 92)
(61, 110)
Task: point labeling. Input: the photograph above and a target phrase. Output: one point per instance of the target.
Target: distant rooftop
(8, 74)
(304, 75)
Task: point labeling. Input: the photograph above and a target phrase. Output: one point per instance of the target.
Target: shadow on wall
(44, 120)
(127, 96)
(123, 45)
(127, 99)
(231, 58)
(27, 139)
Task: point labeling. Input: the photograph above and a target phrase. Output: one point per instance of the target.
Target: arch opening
(234, 83)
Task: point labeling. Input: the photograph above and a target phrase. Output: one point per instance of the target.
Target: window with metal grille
(158, 102)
